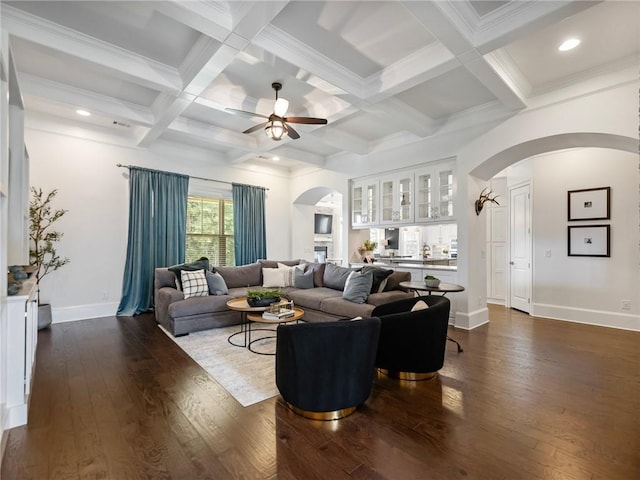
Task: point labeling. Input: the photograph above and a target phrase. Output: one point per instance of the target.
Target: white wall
(96, 194)
(586, 289)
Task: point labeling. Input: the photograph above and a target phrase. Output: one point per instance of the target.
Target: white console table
(21, 336)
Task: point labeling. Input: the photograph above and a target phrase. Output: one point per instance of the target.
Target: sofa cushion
(194, 284)
(393, 280)
(335, 277)
(199, 306)
(318, 273)
(303, 279)
(201, 264)
(344, 308)
(386, 297)
(274, 263)
(379, 277)
(217, 286)
(290, 272)
(357, 287)
(311, 298)
(242, 276)
(274, 277)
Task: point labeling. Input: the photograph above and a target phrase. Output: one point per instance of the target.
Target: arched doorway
(560, 281)
(318, 225)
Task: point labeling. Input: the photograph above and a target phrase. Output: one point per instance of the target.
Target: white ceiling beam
(124, 64)
(213, 135)
(209, 18)
(76, 97)
(342, 140)
(291, 153)
(295, 52)
(445, 23)
(403, 116)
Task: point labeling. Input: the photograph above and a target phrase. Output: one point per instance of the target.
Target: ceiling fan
(277, 124)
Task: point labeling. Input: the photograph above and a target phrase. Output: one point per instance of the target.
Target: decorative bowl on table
(261, 302)
(263, 297)
(432, 282)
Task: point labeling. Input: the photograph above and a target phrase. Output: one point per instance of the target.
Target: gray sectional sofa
(323, 302)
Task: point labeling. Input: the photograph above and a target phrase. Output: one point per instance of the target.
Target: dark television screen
(322, 223)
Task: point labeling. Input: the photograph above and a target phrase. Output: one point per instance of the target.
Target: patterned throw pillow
(290, 273)
(194, 284)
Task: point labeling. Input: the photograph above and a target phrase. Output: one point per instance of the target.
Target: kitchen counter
(446, 264)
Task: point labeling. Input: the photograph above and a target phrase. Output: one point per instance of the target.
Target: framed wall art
(589, 241)
(589, 204)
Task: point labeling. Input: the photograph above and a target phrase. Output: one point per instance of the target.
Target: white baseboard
(625, 321)
(83, 312)
(471, 320)
(496, 301)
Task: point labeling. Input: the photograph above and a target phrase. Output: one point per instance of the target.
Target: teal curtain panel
(249, 229)
(157, 233)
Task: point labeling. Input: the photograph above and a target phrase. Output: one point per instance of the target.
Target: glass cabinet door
(424, 192)
(356, 206)
(405, 200)
(445, 193)
(387, 201)
(372, 203)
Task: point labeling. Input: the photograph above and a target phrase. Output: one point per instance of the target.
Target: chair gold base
(333, 415)
(413, 376)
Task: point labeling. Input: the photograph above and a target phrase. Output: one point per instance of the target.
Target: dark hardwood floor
(529, 398)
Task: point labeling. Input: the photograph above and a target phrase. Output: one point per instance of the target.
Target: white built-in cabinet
(435, 193)
(411, 196)
(22, 328)
(396, 197)
(365, 202)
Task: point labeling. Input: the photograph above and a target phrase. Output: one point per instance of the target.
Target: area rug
(249, 377)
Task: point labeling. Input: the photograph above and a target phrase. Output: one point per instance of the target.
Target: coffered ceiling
(384, 73)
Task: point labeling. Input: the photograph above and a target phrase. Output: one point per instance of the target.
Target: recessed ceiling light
(569, 44)
(83, 113)
(276, 159)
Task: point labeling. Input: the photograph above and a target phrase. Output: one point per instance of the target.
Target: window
(210, 230)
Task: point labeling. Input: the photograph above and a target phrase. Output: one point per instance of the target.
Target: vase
(44, 316)
(432, 283)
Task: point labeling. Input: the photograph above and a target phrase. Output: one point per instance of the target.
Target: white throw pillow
(419, 305)
(194, 284)
(290, 273)
(273, 278)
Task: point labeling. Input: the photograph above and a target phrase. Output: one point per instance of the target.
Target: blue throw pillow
(357, 287)
(217, 286)
(303, 279)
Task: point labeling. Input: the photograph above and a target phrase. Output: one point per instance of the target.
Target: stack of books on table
(283, 313)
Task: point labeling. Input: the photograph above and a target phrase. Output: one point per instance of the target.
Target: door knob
(512, 263)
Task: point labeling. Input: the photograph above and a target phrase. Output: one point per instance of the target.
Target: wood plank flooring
(529, 398)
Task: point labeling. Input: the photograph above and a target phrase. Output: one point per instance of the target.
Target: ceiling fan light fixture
(275, 129)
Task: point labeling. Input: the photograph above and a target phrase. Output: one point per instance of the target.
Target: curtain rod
(199, 178)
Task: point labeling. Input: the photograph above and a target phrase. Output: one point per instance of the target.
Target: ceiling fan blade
(255, 128)
(245, 114)
(291, 132)
(307, 120)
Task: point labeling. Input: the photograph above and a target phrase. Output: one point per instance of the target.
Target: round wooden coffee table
(257, 317)
(240, 305)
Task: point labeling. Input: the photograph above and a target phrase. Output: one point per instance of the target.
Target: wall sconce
(484, 198)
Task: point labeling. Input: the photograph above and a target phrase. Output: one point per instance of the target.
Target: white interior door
(520, 248)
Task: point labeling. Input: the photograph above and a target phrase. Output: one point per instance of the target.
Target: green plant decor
(42, 216)
(369, 245)
(260, 293)
(430, 277)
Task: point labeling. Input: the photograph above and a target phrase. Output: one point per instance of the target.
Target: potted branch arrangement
(42, 254)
